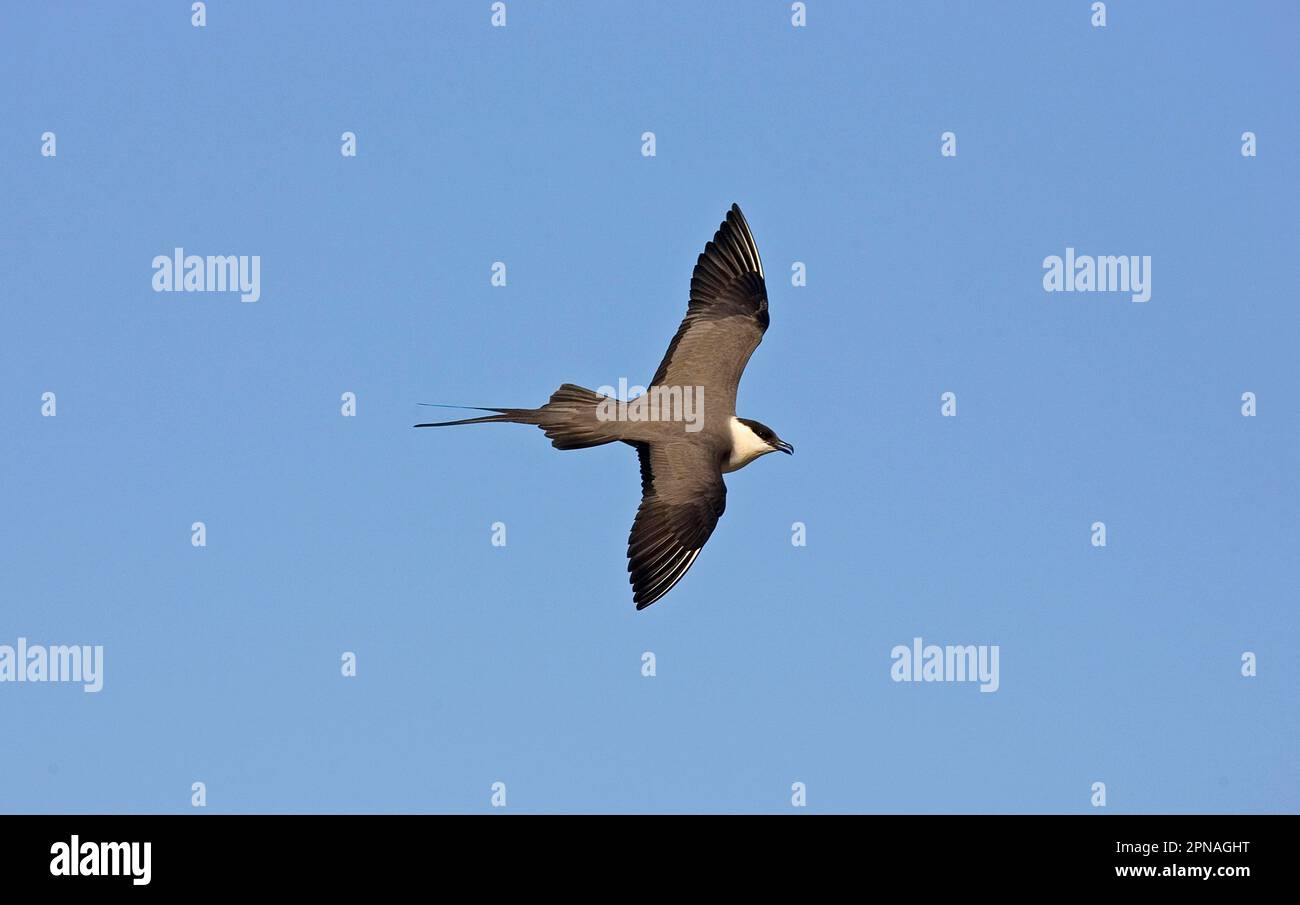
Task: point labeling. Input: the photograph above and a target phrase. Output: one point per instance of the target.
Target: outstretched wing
(725, 320)
(682, 498)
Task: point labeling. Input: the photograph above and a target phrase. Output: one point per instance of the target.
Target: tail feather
(505, 416)
(569, 419)
(486, 419)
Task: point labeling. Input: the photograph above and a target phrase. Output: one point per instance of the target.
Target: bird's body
(683, 456)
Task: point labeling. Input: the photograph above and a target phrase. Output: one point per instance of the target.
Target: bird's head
(767, 436)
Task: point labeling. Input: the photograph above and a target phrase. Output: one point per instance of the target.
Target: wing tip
(642, 604)
(661, 584)
(744, 238)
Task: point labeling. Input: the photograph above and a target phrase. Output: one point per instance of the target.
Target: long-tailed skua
(684, 427)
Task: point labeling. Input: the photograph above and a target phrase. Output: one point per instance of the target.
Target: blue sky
(522, 664)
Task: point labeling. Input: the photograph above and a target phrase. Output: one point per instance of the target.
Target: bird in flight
(684, 428)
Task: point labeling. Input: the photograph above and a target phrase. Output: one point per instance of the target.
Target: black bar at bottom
(334, 853)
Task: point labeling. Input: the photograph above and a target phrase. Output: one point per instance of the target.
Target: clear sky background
(522, 664)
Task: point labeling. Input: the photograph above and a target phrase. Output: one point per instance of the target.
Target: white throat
(746, 446)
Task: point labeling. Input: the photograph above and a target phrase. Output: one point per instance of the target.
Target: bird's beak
(785, 447)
